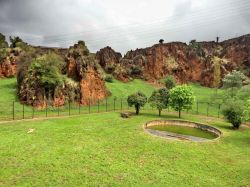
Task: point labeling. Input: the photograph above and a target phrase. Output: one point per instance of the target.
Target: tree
(233, 112)
(181, 97)
(159, 99)
(3, 43)
(170, 82)
(247, 111)
(161, 41)
(233, 82)
(15, 40)
(47, 71)
(137, 100)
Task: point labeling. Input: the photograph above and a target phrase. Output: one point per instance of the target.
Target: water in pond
(190, 131)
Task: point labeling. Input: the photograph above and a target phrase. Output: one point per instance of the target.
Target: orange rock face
(92, 88)
(8, 68)
(204, 62)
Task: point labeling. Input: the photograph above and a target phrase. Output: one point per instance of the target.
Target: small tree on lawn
(159, 99)
(233, 82)
(170, 82)
(181, 97)
(137, 100)
(233, 111)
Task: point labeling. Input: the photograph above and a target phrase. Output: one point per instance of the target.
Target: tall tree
(159, 99)
(181, 97)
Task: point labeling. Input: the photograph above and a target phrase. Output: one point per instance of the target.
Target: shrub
(181, 97)
(3, 43)
(159, 99)
(170, 82)
(233, 112)
(137, 100)
(109, 78)
(136, 70)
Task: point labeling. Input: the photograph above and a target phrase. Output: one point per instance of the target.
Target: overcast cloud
(123, 25)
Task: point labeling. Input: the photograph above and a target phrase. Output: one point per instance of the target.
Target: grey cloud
(122, 25)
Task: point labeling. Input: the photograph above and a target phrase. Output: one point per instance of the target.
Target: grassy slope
(107, 150)
(119, 89)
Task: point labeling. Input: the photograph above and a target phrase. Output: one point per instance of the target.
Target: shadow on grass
(155, 115)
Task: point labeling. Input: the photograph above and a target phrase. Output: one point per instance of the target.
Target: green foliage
(15, 40)
(3, 43)
(181, 97)
(170, 82)
(233, 112)
(4, 52)
(193, 45)
(233, 85)
(109, 78)
(136, 70)
(47, 71)
(159, 99)
(233, 80)
(247, 110)
(137, 100)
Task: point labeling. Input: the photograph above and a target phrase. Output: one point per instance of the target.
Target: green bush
(109, 78)
(233, 112)
(170, 82)
(136, 70)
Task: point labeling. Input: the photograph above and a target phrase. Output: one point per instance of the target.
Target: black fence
(16, 111)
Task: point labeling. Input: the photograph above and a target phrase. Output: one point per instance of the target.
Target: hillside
(79, 74)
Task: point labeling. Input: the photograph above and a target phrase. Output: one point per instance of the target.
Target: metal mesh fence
(16, 111)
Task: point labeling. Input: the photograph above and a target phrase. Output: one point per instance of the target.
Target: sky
(122, 25)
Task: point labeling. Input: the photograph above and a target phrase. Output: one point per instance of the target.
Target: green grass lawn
(106, 150)
(119, 90)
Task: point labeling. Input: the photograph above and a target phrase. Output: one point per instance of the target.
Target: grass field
(119, 90)
(103, 149)
(106, 150)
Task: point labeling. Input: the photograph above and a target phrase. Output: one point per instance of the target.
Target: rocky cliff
(56, 79)
(203, 62)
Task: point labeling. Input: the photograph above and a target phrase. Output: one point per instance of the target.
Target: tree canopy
(137, 100)
(170, 82)
(181, 97)
(159, 99)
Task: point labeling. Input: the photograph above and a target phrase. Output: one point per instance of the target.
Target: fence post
(219, 110)
(69, 108)
(13, 114)
(207, 108)
(79, 108)
(98, 105)
(33, 111)
(114, 104)
(46, 110)
(23, 111)
(121, 104)
(89, 105)
(106, 104)
(197, 107)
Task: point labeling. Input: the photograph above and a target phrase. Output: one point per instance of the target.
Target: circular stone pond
(182, 130)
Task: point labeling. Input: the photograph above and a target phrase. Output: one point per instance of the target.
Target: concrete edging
(174, 136)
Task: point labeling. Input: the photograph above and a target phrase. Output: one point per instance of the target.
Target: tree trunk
(137, 109)
(179, 113)
(159, 112)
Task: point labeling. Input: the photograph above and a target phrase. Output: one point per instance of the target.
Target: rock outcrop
(83, 67)
(203, 62)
